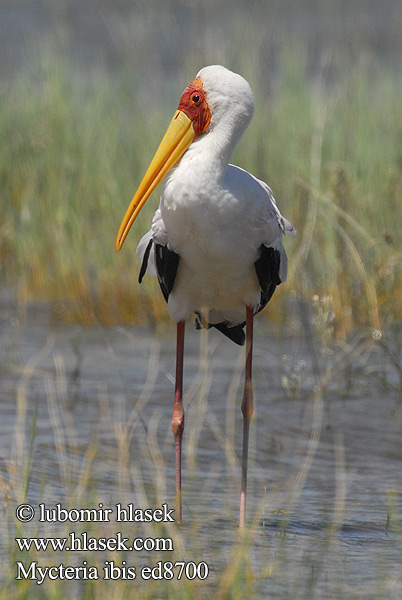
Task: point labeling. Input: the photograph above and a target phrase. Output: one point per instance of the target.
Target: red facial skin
(193, 103)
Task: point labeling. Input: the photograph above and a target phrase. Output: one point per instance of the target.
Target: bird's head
(216, 99)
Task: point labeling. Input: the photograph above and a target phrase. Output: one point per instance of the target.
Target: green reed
(74, 148)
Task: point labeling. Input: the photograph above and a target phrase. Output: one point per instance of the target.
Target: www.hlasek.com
(83, 542)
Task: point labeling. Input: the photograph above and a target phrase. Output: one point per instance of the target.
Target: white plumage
(215, 215)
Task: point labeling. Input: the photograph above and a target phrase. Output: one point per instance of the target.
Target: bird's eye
(196, 99)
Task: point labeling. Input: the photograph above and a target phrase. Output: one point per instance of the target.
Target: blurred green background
(87, 89)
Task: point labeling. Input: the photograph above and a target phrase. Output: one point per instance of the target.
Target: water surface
(325, 458)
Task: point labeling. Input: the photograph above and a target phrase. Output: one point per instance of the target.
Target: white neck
(209, 155)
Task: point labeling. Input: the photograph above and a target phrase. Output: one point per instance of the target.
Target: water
(325, 460)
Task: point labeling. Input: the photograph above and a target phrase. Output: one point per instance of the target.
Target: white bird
(216, 239)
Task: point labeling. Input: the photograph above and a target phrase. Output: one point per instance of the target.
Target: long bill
(178, 137)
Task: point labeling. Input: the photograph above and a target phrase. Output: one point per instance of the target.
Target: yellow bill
(175, 142)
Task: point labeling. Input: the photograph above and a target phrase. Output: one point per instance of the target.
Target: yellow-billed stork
(216, 239)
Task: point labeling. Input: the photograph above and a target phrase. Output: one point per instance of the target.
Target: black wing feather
(167, 262)
(166, 266)
(145, 261)
(267, 269)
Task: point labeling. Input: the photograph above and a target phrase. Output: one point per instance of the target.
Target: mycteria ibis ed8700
(216, 239)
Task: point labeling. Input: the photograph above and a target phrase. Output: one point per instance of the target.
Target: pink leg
(247, 410)
(178, 413)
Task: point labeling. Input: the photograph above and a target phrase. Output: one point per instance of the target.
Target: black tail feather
(233, 332)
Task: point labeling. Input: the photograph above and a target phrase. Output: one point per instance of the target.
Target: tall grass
(74, 148)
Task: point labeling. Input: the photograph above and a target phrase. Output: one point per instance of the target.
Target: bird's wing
(146, 249)
(283, 223)
(263, 211)
(264, 223)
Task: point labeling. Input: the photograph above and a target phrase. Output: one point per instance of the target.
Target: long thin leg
(178, 413)
(247, 410)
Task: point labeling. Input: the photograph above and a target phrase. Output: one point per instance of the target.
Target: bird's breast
(207, 222)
